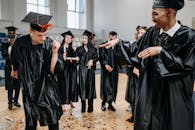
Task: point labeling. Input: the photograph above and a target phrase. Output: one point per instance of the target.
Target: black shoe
(131, 119)
(90, 105)
(90, 109)
(17, 104)
(110, 107)
(103, 107)
(10, 106)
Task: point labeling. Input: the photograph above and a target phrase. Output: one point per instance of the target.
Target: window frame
(79, 12)
(38, 6)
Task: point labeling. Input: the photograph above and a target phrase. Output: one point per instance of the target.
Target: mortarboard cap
(67, 33)
(11, 28)
(174, 4)
(88, 33)
(38, 22)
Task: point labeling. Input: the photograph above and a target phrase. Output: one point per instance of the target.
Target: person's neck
(170, 25)
(67, 45)
(34, 42)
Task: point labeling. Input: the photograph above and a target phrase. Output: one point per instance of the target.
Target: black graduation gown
(132, 85)
(131, 89)
(7, 69)
(109, 80)
(40, 89)
(68, 79)
(166, 82)
(87, 88)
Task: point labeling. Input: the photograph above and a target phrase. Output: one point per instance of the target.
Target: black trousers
(15, 85)
(34, 127)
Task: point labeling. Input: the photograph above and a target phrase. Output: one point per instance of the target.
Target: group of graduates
(49, 75)
(165, 58)
(161, 71)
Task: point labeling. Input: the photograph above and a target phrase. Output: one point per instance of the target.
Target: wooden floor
(73, 119)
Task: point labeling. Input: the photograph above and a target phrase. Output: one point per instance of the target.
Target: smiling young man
(35, 58)
(165, 56)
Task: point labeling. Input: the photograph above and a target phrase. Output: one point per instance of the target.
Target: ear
(31, 32)
(168, 12)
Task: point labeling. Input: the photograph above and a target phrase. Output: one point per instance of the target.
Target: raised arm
(54, 58)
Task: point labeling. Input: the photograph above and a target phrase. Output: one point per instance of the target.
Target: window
(75, 14)
(39, 6)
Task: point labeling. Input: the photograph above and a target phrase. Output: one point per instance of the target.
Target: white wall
(102, 16)
(187, 13)
(0, 9)
(124, 15)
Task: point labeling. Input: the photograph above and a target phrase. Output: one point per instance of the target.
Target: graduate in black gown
(109, 75)
(165, 56)
(35, 58)
(11, 84)
(133, 75)
(68, 78)
(88, 57)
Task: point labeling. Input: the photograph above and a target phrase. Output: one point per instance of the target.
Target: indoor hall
(96, 19)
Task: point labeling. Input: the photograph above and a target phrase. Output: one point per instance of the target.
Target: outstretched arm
(110, 44)
(54, 58)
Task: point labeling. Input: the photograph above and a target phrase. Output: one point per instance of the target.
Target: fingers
(103, 45)
(14, 74)
(150, 51)
(55, 46)
(108, 46)
(108, 68)
(144, 53)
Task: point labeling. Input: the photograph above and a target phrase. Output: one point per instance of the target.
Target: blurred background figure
(109, 75)
(68, 78)
(133, 75)
(88, 57)
(11, 83)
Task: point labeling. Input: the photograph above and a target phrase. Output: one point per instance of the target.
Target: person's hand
(77, 58)
(150, 51)
(90, 63)
(108, 68)
(136, 71)
(55, 46)
(64, 55)
(109, 44)
(14, 74)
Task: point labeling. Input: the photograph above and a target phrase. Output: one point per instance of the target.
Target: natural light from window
(75, 14)
(39, 6)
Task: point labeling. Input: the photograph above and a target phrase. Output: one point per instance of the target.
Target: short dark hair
(141, 27)
(113, 33)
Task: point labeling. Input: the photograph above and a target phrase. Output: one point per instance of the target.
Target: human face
(136, 37)
(160, 17)
(38, 37)
(112, 37)
(93, 40)
(68, 39)
(85, 40)
(140, 33)
(11, 34)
